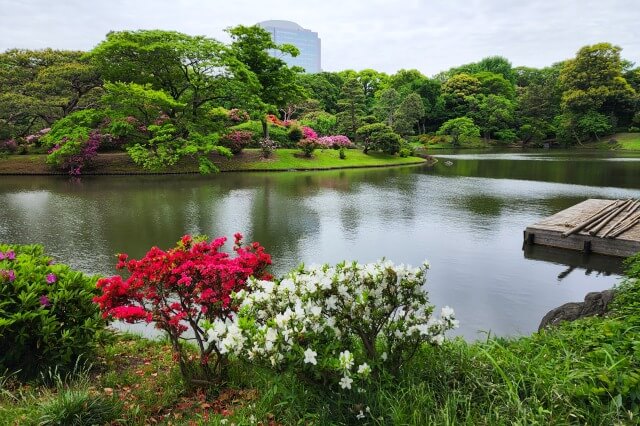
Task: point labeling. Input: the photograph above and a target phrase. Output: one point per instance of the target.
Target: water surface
(467, 219)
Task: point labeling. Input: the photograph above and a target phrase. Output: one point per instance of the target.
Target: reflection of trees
(593, 172)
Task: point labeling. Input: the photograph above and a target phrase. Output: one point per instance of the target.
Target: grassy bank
(619, 141)
(584, 372)
(248, 160)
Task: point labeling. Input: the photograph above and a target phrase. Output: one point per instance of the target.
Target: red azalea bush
(307, 146)
(182, 289)
(236, 140)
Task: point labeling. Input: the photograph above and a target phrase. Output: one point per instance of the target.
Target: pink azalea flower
(10, 255)
(51, 278)
(44, 301)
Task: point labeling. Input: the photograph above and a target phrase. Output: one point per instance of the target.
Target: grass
(248, 160)
(582, 372)
(623, 141)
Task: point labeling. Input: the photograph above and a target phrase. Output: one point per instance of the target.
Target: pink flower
(51, 278)
(10, 275)
(44, 301)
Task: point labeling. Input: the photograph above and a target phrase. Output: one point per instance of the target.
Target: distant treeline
(161, 95)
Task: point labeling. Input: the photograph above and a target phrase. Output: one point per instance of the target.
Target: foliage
(352, 107)
(295, 133)
(267, 146)
(73, 155)
(8, 146)
(236, 140)
(343, 153)
(323, 122)
(276, 133)
(307, 146)
(350, 321)
(181, 288)
(47, 319)
(408, 114)
(379, 137)
(459, 129)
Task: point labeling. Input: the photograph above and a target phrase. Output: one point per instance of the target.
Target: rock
(595, 304)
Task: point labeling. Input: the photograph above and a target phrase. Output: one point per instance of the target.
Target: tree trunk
(265, 127)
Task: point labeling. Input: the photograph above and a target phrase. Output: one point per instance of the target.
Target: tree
(459, 129)
(495, 84)
(195, 71)
(408, 114)
(371, 81)
(387, 104)
(379, 137)
(278, 84)
(323, 86)
(39, 87)
(593, 82)
(352, 107)
(493, 114)
(457, 91)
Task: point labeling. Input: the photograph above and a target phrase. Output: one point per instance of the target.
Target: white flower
(360, 415)
(364, 369)
(310, 356)
(346, 360)
(438, 339)
(345, 382)
(384, 356)
(447, 312)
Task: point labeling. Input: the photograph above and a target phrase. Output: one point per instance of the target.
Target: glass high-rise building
(305, 40)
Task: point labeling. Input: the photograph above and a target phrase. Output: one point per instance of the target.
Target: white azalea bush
(335, 324)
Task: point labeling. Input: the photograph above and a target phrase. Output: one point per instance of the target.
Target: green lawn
(249, 160)
(618, 141)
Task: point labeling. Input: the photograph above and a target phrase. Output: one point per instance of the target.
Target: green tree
(457, 93)
(593, 82)
(460, 129)
(379, 137)
(493, 114)
(39, 87)
(387, 104)
(323, 86)
(352, 107)
(408, 114)
(278, 84)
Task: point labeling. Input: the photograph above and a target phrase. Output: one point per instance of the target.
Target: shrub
(267, 146)
(341, 141)
(335, 324)
(323, 122)
(238, 115)
(295, 133)
(236, 140)
(309, 133)
(277, 133)
(307, 146)
(75, 153)
(181, 288)
(9, 146)
(47, 318)
(405, 152)
(343, 153)
(379, 137)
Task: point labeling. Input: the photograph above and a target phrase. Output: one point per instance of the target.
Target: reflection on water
(467, 220)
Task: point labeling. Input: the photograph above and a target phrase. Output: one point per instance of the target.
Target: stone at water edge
(595, 304)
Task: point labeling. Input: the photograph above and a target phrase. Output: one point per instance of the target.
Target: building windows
(305, 40)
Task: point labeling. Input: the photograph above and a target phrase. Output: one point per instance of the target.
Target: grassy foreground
(584, 372)
(249, 159)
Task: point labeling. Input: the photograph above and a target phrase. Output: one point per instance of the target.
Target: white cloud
(430, 35)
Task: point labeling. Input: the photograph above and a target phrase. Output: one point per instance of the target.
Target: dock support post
(530, 238)
(586, 248)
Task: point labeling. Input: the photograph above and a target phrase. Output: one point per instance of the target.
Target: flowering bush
(238, 115)
(181, 288)
(338, 323)
(47, 319)
(295, 133)
(74, 153)
(275, 120)
(34, 139)
(236, 140)
(307, 146)
(309, 133)
(267, 146)
(341, 141)
(9, 146)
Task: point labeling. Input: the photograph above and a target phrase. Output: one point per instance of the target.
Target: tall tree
(352, 107)
(408, 114)
(278, 83)
(387, 104)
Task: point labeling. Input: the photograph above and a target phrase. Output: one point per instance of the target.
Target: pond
(466, 218)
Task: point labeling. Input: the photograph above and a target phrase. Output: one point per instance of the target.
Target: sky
(428, 35)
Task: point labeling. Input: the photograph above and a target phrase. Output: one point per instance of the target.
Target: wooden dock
(609, 227)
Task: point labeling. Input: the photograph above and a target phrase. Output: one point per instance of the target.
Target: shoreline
(119, 164)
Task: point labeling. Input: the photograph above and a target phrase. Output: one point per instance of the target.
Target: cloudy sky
(387, 35)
